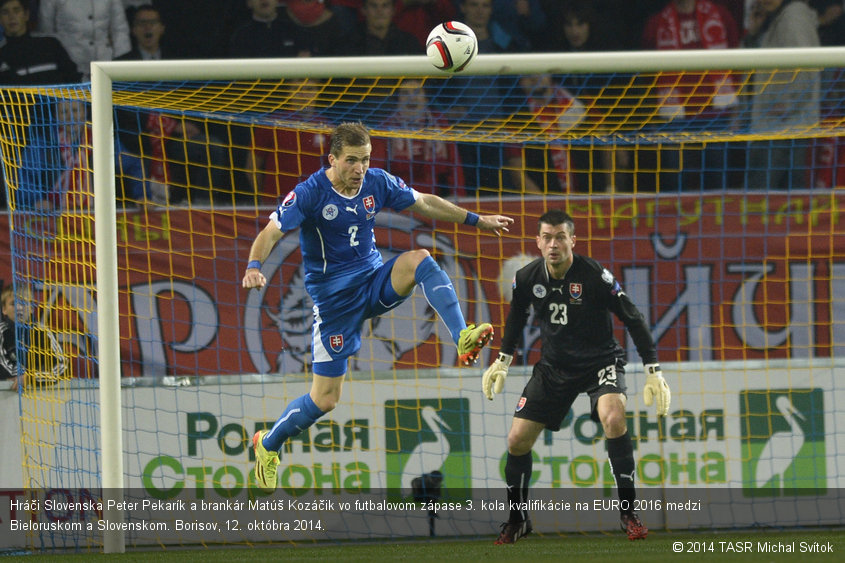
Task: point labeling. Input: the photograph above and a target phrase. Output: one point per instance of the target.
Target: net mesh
(742, 286)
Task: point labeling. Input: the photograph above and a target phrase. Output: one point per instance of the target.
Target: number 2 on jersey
(353, 230)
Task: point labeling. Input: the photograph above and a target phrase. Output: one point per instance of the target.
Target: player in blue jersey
(334, 210)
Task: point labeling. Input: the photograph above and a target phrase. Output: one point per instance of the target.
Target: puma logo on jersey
(558, 289)
(353, 209)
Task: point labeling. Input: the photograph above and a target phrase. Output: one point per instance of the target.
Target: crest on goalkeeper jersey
(783, 442)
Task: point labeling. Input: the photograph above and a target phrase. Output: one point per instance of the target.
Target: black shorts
(550, 392)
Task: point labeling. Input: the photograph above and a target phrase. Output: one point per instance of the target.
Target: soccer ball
(451, 46)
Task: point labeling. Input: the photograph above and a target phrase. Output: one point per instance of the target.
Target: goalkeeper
(572, 297)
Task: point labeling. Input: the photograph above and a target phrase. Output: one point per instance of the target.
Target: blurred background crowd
(54, 41)
(191, 29)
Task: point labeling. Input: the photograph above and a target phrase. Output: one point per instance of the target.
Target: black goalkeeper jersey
(574, 315)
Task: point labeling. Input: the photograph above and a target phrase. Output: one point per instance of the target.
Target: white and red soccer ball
(451, 46)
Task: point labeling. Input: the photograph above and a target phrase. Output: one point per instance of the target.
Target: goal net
(712, 193)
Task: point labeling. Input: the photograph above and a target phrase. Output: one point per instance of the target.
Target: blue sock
(299, 415)
(438, 290)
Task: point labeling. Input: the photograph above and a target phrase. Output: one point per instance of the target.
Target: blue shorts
(336, 334)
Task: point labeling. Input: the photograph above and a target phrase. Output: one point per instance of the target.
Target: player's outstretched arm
(435, 207)
(261, 247)
(656, 389)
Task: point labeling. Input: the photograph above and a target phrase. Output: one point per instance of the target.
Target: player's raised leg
(417, 267)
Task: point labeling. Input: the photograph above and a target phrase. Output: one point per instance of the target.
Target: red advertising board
(720, 276)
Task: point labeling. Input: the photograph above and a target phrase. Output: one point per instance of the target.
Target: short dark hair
(581, 12)
(143, 8)
(349, 135)
(23, 3)
(556, 217)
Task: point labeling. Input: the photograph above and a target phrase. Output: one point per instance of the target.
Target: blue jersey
(337, 234)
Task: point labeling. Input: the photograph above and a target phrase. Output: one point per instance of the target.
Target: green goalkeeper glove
(656, 388)
(494, 377)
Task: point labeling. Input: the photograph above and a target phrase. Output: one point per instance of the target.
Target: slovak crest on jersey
(369, 204)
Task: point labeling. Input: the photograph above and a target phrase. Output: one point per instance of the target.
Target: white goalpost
(105, 74)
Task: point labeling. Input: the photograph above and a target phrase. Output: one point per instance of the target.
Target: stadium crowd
(105, 29)
(53, 41)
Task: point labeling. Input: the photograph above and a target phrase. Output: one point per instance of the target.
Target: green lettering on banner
(195, 433)
(152, 468)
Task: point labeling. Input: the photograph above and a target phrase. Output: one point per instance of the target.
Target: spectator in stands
(594, 167)
(281, 157)
(376, 34)
(547, 168)
(56, 164)
(44, 360)
(130, 6)
(189, 160)
(418, 17)
(694, 101)
(782, 99)
(831, 21)
(317, 32)
(182, 158)
(469, 100)
(200, 29)
(620, 26)
(264, 35)
(492, 36)
(147, 30)
(521, 18)
(8, 340)
(26, 59)
(573, 28)
(348, 12)
(95, 30)
(429, 165)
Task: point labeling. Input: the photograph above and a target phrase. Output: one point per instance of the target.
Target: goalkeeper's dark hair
(349, 135)
(556, 217)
